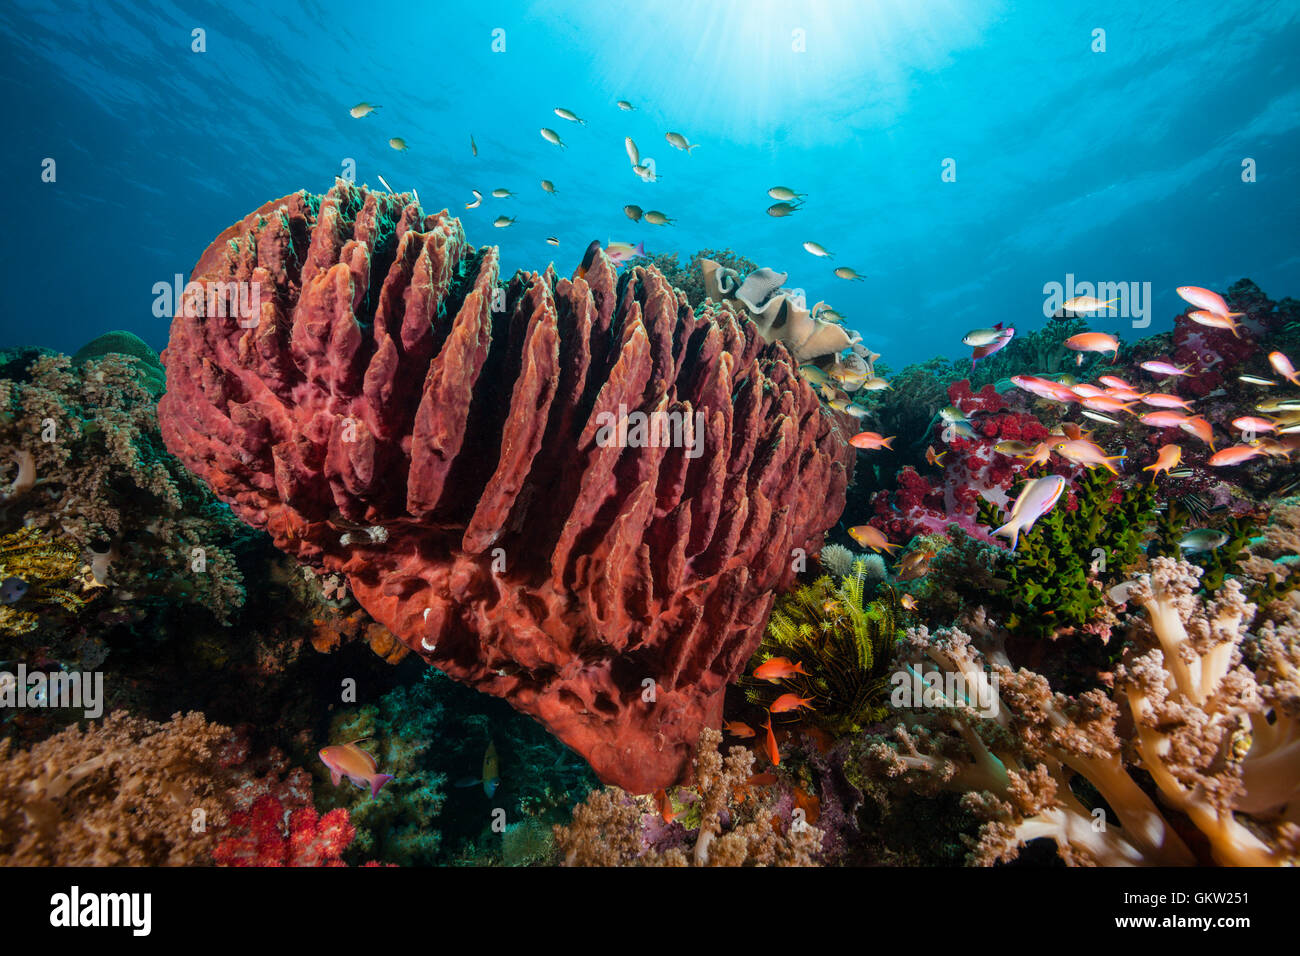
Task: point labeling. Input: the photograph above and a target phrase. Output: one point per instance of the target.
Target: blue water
(1123, 165)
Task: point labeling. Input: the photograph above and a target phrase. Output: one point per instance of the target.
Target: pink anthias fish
(623, 252)
(1161, 400)
(359, 766)
(1044, 388)
(1089, 454)
(1205, 299)
(1165, 368)
(997, 345)
(1034, 501)
(1282, 365)
(1163, 419)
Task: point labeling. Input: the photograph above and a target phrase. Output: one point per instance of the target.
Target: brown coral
(449, 444)
(127, 791)
(1220, 743)
(731, 829)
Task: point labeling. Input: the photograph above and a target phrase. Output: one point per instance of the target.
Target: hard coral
(398, 416)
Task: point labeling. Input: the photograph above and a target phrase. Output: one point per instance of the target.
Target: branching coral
(843, 642)
(1192, 705)
(734, 825)
(127, 791)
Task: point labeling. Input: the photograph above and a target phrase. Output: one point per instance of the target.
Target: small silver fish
(632, 212)
(548, 186)
(502, 221)
(1098, 417)
(678, 141)
(625, 106)
(1255, 380)
(569, 115)
(844, 272)
(363, 109)
(785, 194)
(656, 218)
(781, 209)
(478, 199)
(1203, 539)
(551, 136)
(501, 194)
(551, 240)
(817, 250)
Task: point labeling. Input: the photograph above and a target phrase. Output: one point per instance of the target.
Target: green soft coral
(1064, 565)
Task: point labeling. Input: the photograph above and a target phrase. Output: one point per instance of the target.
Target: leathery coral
(126, 791)
(1219, 741)
(456, 449)
(731, 825)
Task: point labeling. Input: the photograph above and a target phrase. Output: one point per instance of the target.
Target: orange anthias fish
(873, 538)
(1214, 320)
(1234, 455)
(359, 766)
(932, 458)
(1198, 426)
(778, 668)
(1163, 419)
(1282, 365)
(1093, 342)
(1253, 423)
(1088, 454)
(664, 806)
(1163, 400)
(870, 441)
(738, 729)
(809, 804)
(1205, 299)
(1169, 457)
(769, 745)
(788, 702)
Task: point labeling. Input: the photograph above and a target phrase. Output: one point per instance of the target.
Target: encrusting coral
(735, 822)
(1218, 741)
(125, 791)
(453, 447)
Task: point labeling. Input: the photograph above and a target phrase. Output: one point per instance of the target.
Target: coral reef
(398, 417)
(125, 791)
(690, 279)
(735, 822)
(46, 568)
(1216, 739)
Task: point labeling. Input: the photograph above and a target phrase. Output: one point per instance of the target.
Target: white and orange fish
(1282, 365)
(1044, 388)
(1166, 460)
(1093, 342)
(1215, 321)
(1035, 500)
(1113, 381)
(1003, 339)
(1205, 299)
(1104, 403)
(623, 252)
(1253, 423)
(1086, 303)
(1089, 454)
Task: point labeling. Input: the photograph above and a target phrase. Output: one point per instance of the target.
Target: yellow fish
(362, 109)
